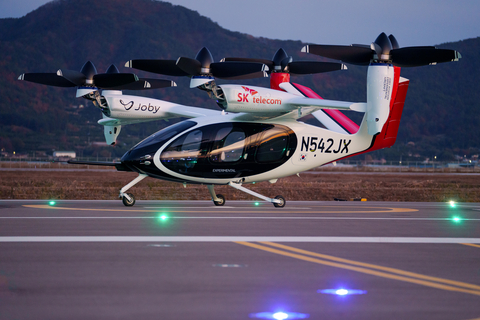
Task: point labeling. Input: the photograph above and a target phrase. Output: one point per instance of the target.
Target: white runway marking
(252, 217)
(241, 239)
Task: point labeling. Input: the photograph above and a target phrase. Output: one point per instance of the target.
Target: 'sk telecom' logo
(243, 97)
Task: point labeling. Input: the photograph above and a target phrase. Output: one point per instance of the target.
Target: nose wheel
(128, 200)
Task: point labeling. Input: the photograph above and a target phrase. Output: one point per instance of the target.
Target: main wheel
(127, 202)
(221, 202)
(281, 204)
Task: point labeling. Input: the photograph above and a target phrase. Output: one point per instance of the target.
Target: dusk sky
(413, 22)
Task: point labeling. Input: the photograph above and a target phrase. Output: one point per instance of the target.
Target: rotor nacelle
(259, 100)
(255, 99)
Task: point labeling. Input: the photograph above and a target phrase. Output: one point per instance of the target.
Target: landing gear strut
(278, 201)
(128, 198)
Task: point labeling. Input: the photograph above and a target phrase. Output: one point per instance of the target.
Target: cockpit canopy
(222, 150)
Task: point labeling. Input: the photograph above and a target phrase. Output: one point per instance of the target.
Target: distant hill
(440, 114)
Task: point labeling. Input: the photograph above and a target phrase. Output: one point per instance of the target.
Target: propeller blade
(279, 56)
(420, 56)
(235, 69)
(112, 69)
(165, 67)
(310, 67)
(254, 75)
(204, 56)
(108, 80)
(145, 84)
(49, 79)
(266, 62)
(349, 54)
(284, 63)
(384, 43)
(393, 41)
(73, 76)
(159, 83)
(89, 70)
(192, 67)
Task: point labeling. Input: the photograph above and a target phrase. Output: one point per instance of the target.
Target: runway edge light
(342, 291)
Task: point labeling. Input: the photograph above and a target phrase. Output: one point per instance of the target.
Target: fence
(344, 165)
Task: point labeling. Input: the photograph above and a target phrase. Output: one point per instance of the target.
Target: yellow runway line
(372, 266)
(370, 271)
(472, 245)
(380, 210)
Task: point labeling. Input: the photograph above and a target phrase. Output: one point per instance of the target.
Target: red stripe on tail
(344, 121)
(388, 136)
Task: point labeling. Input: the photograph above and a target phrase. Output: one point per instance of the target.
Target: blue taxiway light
(279, 315)
(342, 292)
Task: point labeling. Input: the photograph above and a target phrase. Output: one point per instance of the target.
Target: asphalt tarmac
(192, 260)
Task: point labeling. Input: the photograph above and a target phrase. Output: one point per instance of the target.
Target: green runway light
(52, 203)
(452, 204)
(163, 217)
(456, 219)
(257, 203)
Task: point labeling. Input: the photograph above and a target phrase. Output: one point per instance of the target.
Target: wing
(255, 103)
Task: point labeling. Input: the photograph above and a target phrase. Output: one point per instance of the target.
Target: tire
(221, 202)
(282, 202)
(128, 203)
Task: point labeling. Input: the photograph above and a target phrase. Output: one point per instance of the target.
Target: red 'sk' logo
(253, 92)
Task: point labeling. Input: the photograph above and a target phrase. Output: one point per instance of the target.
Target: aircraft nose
(140, 157)
(137, 158)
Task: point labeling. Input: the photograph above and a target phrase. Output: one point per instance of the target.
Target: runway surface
(192, 260)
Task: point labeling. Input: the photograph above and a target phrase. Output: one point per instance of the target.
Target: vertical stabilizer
(380, 94)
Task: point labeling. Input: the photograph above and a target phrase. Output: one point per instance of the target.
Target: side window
(228, 145)
(273, 146)
(183, 153)
(192, 143)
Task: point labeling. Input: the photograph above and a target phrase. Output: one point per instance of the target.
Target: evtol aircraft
(256, 136)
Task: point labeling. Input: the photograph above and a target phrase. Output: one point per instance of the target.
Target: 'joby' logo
(149, 108)
(127, 105)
